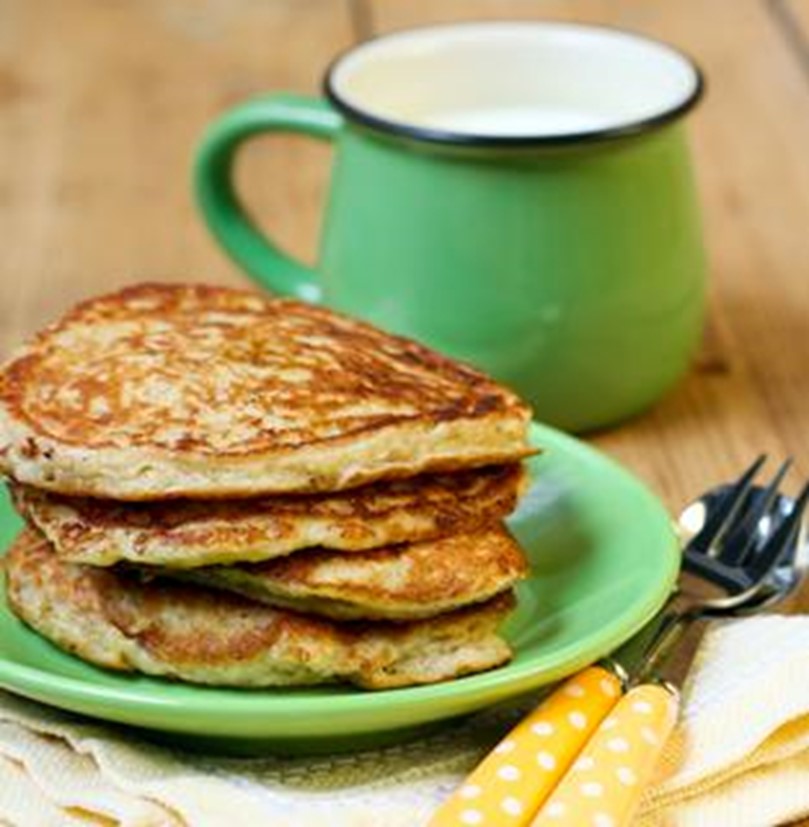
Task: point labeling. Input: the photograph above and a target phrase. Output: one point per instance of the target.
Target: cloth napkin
(740, 756)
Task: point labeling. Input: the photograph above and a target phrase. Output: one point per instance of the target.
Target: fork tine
(707, 541)
(780, 541)
(740, 542)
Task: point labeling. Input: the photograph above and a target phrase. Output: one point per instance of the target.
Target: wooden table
(101, 103)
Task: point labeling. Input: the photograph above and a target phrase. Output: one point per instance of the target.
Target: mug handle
(221, 206)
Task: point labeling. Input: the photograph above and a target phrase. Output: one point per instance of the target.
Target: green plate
(604, 558)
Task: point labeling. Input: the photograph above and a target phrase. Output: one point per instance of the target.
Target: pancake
(163, 391)
(405, 582)
(188, 533)
(210, 637)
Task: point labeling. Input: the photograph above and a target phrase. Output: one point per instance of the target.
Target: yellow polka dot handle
(604, 785)
(512, 782)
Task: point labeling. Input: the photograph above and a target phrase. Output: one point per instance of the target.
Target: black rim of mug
(469, 139)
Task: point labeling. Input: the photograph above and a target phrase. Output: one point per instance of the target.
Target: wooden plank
(749, 390)
(100, 107)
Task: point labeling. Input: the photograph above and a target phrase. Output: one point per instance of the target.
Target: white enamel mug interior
(522, 81)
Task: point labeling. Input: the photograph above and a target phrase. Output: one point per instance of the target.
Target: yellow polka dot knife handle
(513, 781)
(604, 785)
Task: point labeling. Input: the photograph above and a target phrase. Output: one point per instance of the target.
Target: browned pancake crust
(406, 582)
(188, 533)
(205, 636)
(190, 390)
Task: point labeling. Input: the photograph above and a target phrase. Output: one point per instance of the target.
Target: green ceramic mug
(518, 195)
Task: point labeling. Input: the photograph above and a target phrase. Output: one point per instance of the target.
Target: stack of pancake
(228, 489)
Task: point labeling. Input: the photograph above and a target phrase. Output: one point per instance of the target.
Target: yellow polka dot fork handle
(523, 771)
(604, 785)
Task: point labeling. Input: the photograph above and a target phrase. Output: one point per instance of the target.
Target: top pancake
(163, 391)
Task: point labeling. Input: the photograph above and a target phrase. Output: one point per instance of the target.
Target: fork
(526, 774)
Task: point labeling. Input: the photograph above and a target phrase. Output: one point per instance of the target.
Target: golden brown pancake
(210, 637)
(404, 582)
(188, 533)
(162, 391)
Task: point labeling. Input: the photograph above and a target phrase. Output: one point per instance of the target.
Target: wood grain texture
(100, 107)
(749, 389)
